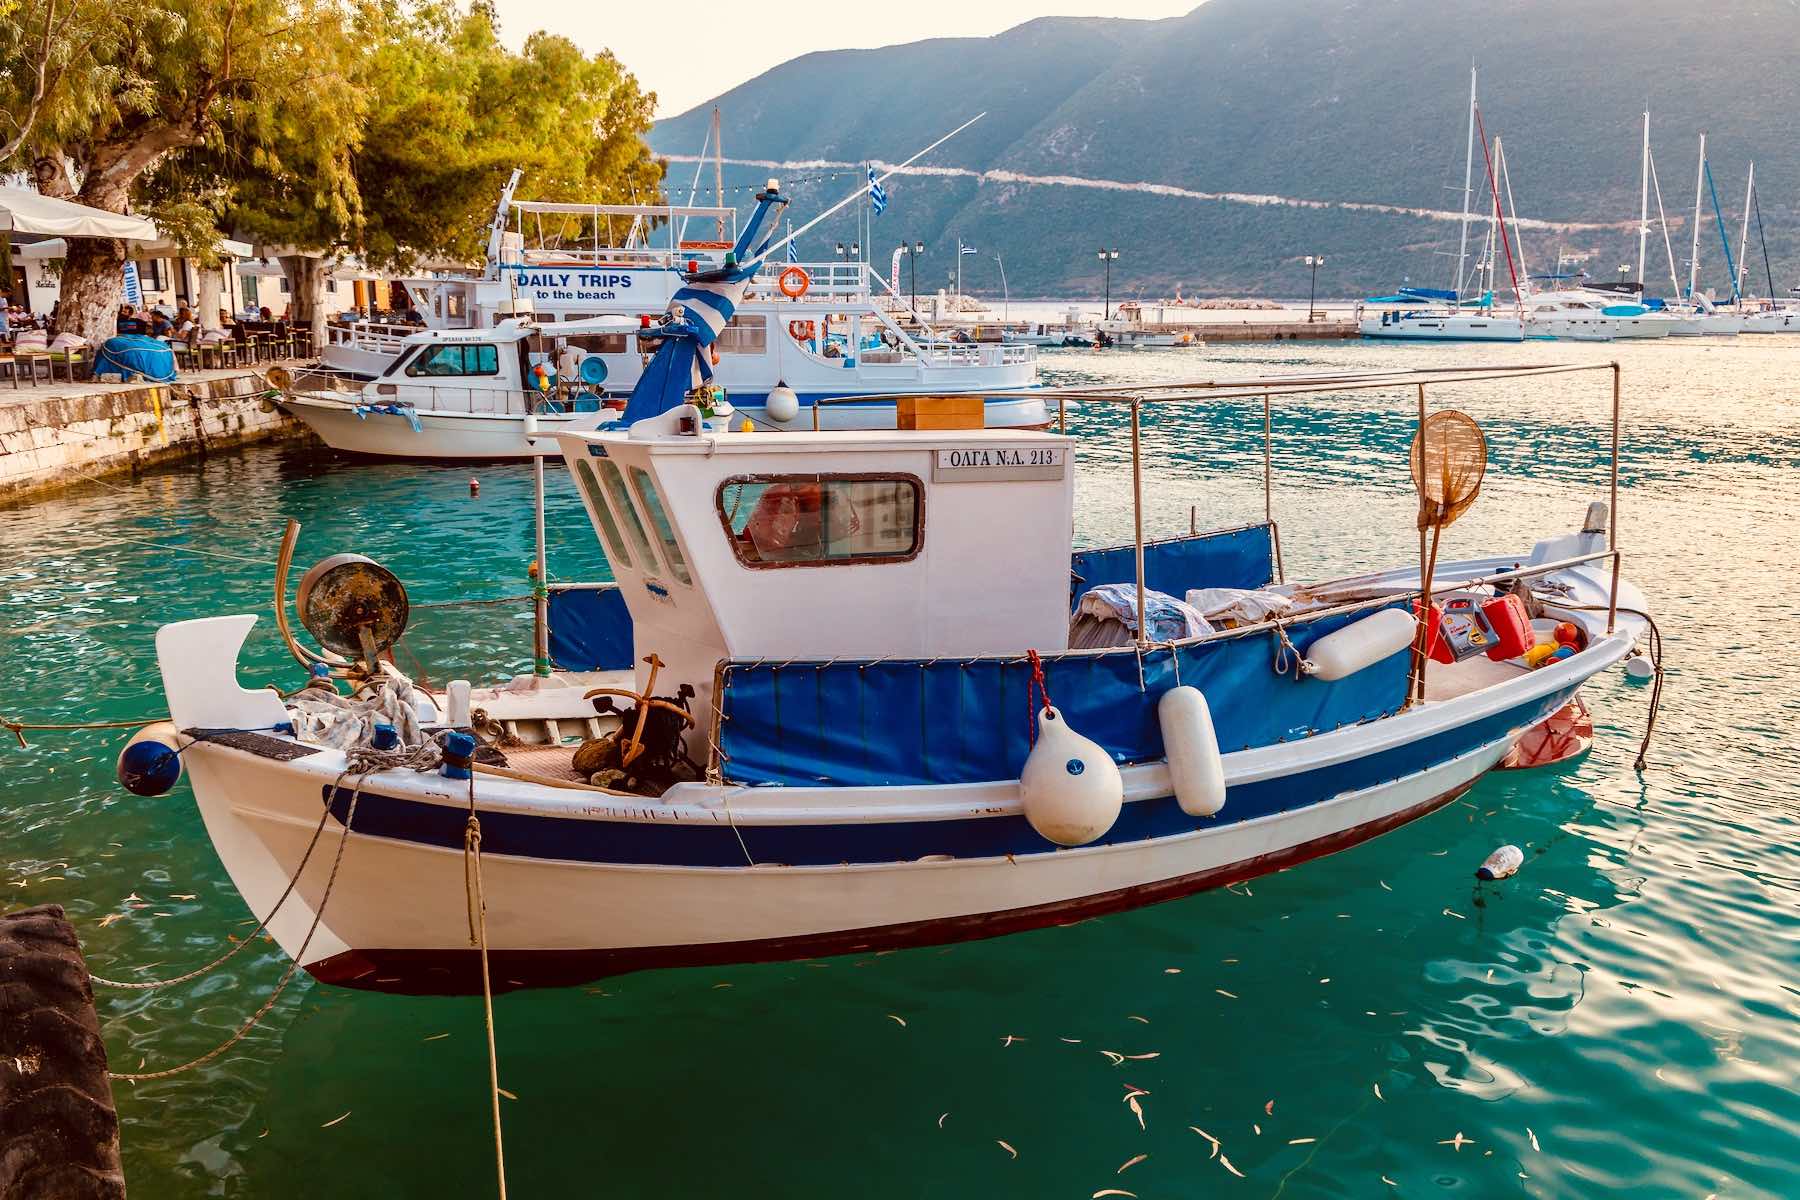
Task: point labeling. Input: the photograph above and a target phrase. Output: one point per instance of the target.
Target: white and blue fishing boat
(856, 689)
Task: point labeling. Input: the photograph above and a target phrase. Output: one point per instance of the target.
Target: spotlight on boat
(353, 606)
(150, 764)
(783, 405)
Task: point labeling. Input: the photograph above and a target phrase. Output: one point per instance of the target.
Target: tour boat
(873, 697)
(812, 329)
(1437, 324)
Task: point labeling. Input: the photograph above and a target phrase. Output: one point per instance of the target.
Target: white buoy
(1196, 768)
(1638, 667)
(1070, 786)
(1501, 863)
(1360, 644)
(782, 405)
(456, 704)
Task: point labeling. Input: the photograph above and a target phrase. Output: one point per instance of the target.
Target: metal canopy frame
(1269, 387)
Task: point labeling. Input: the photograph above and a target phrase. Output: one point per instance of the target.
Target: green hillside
(1321, 100)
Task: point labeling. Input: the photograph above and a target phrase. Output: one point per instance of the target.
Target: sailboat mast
(1513, 209)
(1644, 199)
(718, 169)
(1662, 218)
(1462, 250)
(1743, 263)
(1694, 250)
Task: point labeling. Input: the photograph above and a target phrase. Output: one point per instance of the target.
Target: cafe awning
(25, 211)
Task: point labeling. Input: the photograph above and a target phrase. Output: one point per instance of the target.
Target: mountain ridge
(1358, 101)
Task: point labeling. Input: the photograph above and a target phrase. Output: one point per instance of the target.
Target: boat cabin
(492, 370)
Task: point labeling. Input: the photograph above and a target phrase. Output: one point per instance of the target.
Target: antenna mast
(1462, 250)
(1694, 251)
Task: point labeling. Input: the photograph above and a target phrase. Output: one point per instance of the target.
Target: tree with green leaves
(374, 128)
(130, 85)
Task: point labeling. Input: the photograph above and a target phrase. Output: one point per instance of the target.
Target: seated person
(788, 525)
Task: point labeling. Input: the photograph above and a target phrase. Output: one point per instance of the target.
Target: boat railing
(829, 280)
(368, 335)
(508, 402)
(1212, 391)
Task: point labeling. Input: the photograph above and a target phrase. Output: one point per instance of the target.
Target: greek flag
(966, 249)
(877, 193)
(793, 253)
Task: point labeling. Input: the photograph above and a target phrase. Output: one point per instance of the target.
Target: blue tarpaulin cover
(134, 354)
(911, 722)
(590, 628)
(1237, 558)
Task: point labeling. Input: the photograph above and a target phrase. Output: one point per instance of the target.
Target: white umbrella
(25, 211)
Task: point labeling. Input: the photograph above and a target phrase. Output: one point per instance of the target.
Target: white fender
(1501, 864)
(1360, 644)
(1070, 786)
(1196, 768)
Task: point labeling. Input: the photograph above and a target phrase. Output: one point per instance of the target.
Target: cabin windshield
(476, 358)
(822, 520)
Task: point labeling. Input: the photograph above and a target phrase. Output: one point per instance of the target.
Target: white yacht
(812, 329)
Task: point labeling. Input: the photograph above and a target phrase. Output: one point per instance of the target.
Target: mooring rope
(477, 904)
(286, 976)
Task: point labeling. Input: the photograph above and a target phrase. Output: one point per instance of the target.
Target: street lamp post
(1315, 261)
(912, 252)
(1106, 257)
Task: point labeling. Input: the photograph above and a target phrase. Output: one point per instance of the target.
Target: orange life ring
(793, 282)
(800, 331)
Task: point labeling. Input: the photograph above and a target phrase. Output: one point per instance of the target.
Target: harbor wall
(1263, 331)
(53, 437)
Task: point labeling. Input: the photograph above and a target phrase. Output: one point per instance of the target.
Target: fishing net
(1449, 457)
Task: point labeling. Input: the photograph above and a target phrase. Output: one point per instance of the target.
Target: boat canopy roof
(512, 329)
(661, 212)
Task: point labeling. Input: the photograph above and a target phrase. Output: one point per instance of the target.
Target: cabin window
(665, 531)
(744, 335)
(475, 358)
(822, 520)
(456, 305)
(621, 504)
(609, 528)
(595, 343)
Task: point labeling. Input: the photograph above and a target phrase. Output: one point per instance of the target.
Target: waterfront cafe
(29, 218)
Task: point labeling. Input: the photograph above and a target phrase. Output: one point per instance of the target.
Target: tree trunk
(306, 289)
(211, 289)
(92, 288)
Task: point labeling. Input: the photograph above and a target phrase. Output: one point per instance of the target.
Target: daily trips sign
(595, 285)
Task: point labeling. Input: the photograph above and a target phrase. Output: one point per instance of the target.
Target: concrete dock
(59, 434)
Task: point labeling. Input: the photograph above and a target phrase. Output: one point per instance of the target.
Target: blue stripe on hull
(651, 843)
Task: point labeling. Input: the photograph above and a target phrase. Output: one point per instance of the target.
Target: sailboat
(1444, 315)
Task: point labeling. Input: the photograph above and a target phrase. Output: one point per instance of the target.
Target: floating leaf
(1137, 1110)
(1226, 1163)
(1009, 1039)
(942, 1117)
(1071, 1041)
(897, 1020)
(335, 1120)
(1133, 1161)
(1457, 915)
(1224, 993)
(1533, 1137)
(1140, 1057)
(1269, 1109)
(1115, 1056)
(1004, 1146)
(506, 1093)
(1135, 1017)
(1171, 970)
(1301, 1141)
(1114, 1192)
(436, 1036)
(1384, 885)
(1388, 1181)
(1378, 1094)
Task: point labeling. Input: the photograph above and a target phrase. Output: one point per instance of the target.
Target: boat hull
(474, 436)
(1443, 329)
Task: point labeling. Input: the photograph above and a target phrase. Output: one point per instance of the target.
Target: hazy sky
(690, 52)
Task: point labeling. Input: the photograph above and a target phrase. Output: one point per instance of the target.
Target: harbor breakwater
(51, 437)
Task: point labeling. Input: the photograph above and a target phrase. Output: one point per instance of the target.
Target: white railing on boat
(450, 399)
(369, 335)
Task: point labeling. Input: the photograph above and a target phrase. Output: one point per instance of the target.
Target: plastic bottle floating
(1070, 786)
(1501, 864)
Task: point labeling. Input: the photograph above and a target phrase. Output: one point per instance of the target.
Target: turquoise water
(1620, 1016)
